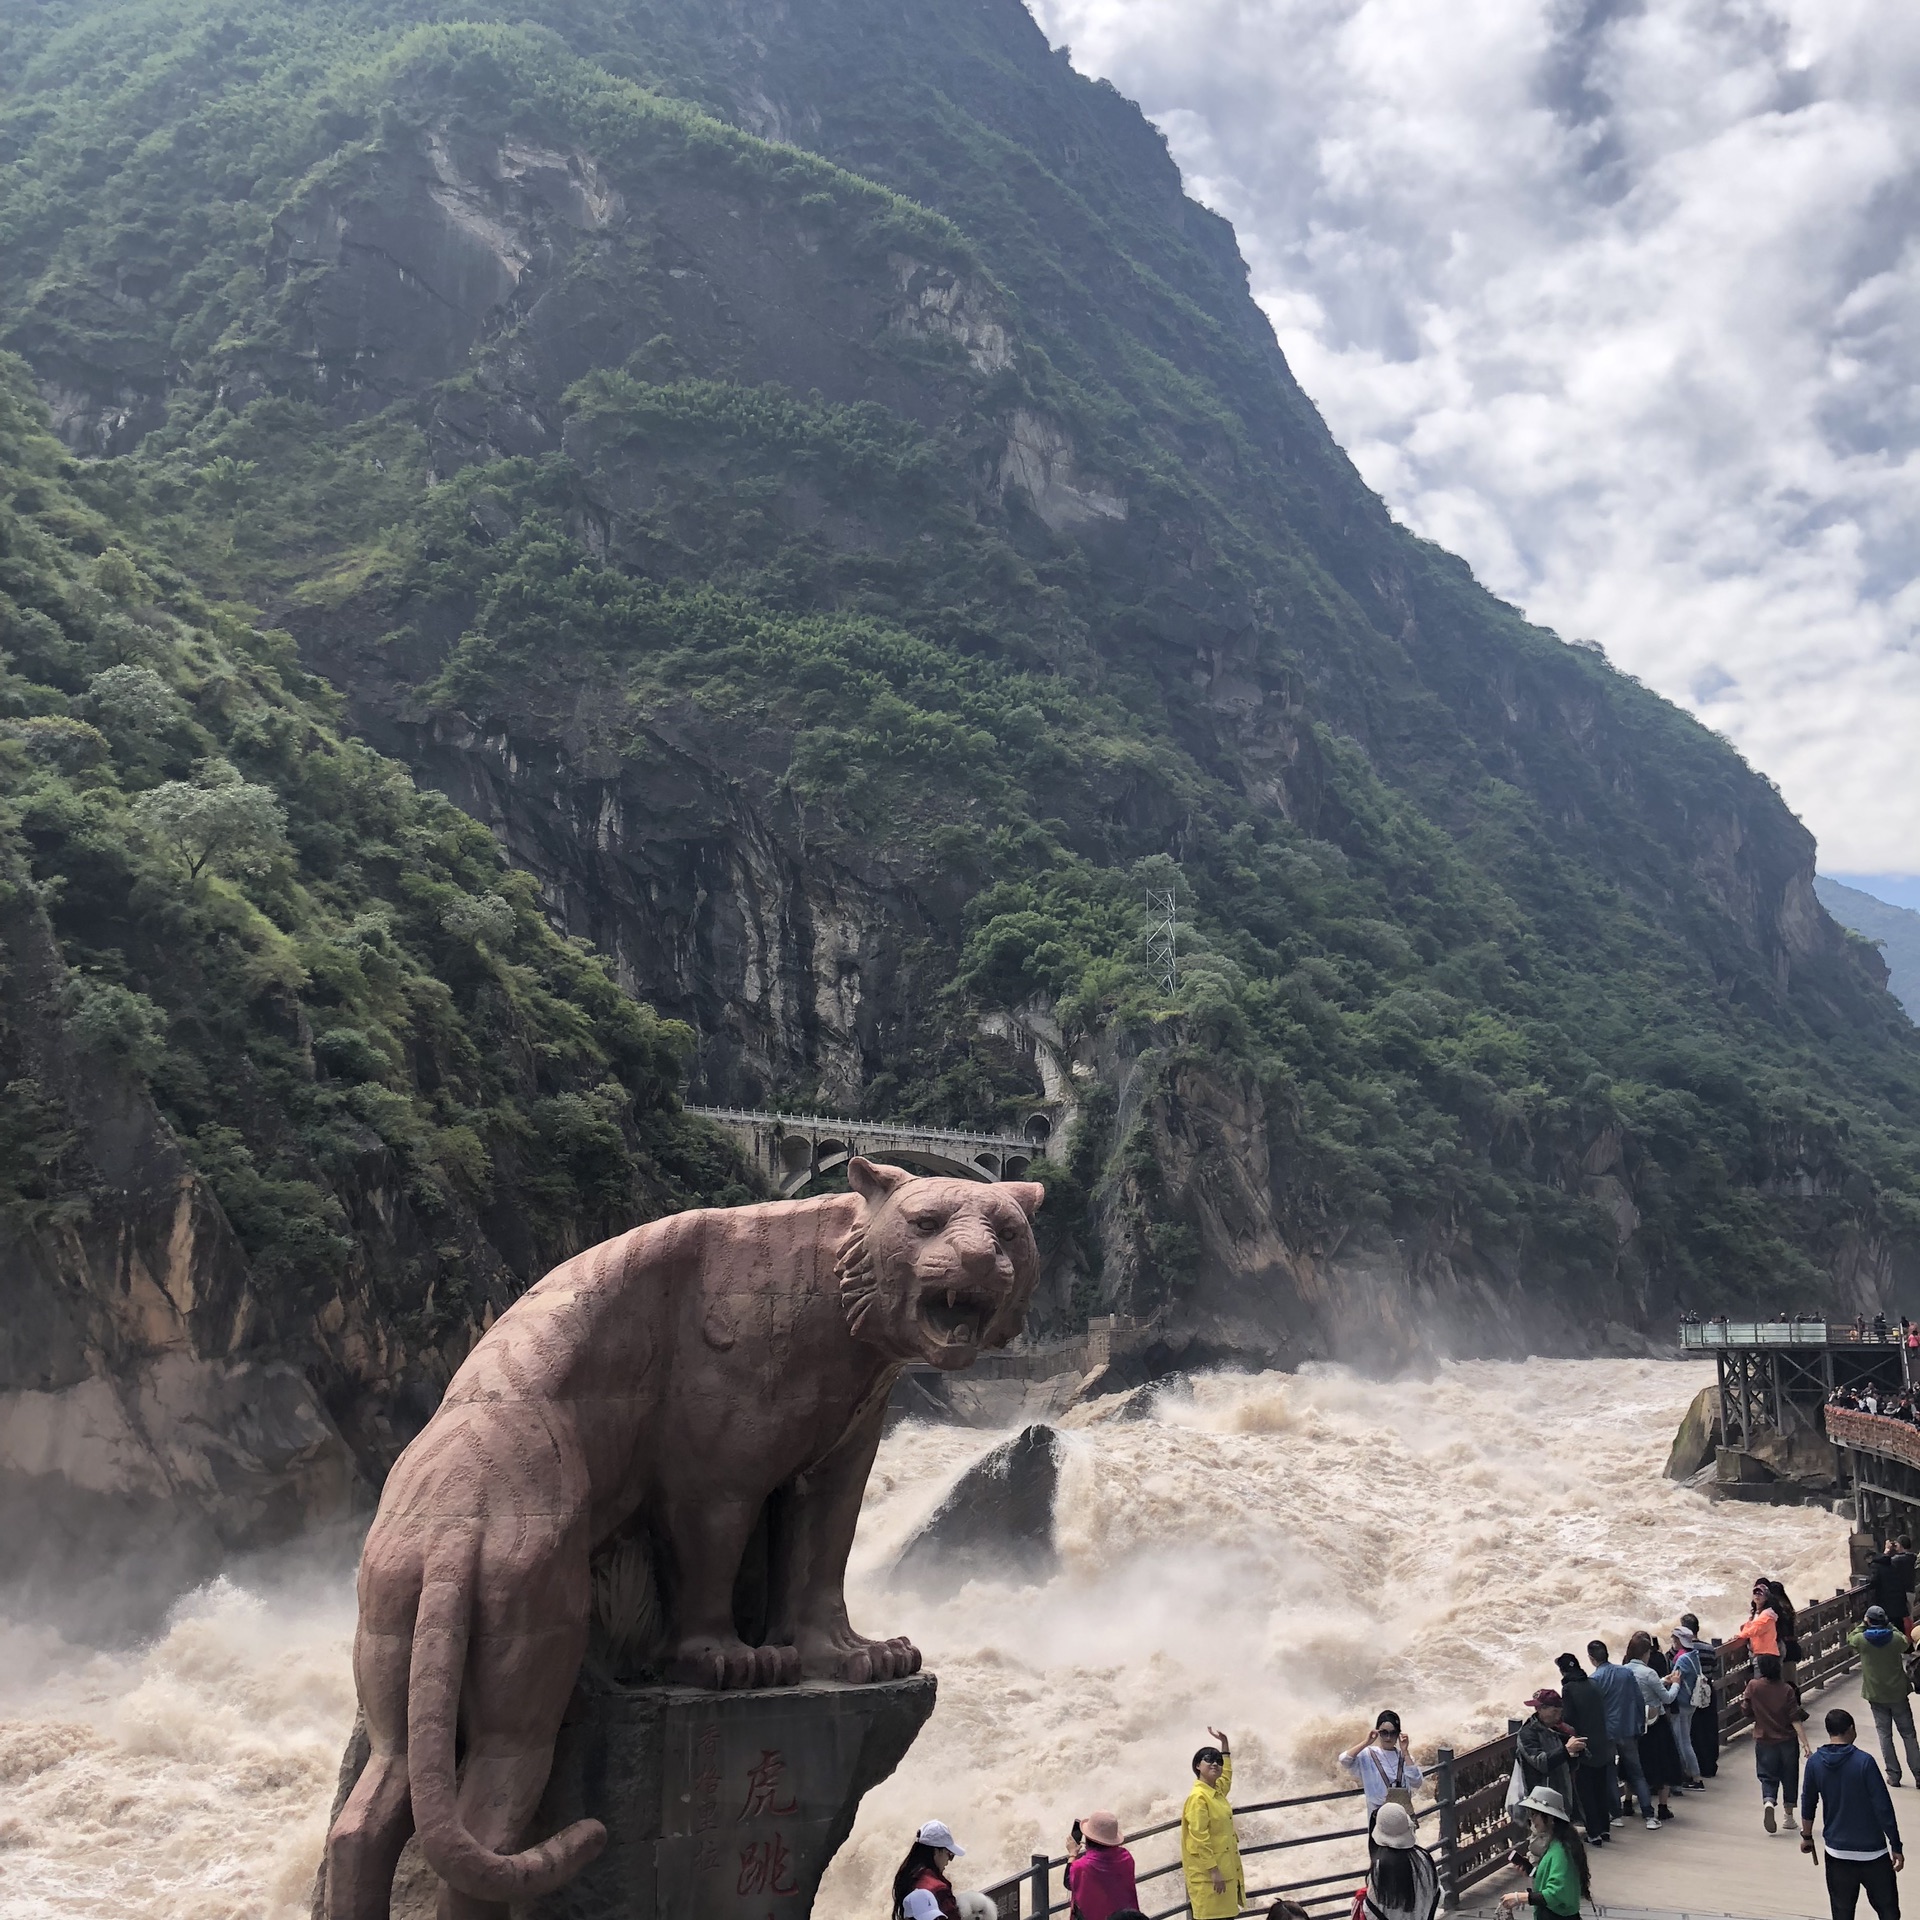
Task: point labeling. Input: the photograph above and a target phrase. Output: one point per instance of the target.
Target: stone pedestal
(718, 1806)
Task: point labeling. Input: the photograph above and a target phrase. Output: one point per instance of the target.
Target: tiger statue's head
(938, 1270)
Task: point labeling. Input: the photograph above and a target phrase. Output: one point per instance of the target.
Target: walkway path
(1715, 1857)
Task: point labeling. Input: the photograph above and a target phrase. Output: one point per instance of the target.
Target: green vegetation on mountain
(990, 620)
(324, 977)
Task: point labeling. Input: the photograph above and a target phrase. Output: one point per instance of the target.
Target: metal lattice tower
(1163, 939)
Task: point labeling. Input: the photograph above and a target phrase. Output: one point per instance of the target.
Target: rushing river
(1278, 1555)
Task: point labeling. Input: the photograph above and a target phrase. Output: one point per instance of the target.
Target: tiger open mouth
(955, 1317)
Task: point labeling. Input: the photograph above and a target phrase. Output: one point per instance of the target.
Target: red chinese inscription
(766, 1867)
(763, 1788)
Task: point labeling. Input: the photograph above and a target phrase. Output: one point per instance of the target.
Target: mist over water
(1280, 1555)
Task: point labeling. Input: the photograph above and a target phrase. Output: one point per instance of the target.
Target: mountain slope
(848, 574)
(1895, 929)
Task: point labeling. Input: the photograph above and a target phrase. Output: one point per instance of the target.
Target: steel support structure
(1760, 1385)
(1880, 1487)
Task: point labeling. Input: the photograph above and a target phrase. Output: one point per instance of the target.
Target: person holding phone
(1100, 1874)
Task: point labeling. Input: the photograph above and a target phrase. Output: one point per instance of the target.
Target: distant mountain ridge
(1897, 929)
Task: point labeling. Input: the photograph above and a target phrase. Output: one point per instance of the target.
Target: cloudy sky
(1622, 302)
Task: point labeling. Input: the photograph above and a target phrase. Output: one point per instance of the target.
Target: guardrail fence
(1784, 1333)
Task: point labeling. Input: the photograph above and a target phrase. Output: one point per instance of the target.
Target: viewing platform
(1708, 1336)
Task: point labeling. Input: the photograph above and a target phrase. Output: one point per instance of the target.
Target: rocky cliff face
(138, 1414)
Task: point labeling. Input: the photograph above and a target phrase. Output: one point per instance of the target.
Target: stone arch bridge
(795, 1149)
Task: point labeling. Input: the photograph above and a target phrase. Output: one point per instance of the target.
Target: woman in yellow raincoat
(1209, 1848)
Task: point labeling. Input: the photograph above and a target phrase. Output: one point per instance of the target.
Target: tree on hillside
(216, 821)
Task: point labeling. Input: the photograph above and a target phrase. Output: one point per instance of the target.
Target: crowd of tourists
(1612, 1742)
(1889, 1402)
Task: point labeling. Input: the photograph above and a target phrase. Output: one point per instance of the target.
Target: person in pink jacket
(1100, 1875)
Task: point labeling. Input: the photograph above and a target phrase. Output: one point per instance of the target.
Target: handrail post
(1042, 1897)
(1443, 1799)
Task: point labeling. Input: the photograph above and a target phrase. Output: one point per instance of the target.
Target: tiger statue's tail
(433, 1710)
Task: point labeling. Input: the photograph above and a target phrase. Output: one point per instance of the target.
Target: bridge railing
(873, 1129)
(1706, 1335)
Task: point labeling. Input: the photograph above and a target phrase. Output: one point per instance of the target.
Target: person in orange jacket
(1761, 1628)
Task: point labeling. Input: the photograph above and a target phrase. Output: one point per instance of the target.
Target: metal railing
(839, 1123)
(1472, 1838)
(1707, 1335)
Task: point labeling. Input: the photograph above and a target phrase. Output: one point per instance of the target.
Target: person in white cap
(924, 1871)
(1403, 1883)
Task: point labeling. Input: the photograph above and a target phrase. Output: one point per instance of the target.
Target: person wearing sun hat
(1560, 1880)
(1100, 1876)
(1402, 1883)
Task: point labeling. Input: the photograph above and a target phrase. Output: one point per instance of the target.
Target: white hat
(939, 1834)
(936, 1833)
(921, 1905)
(1545, 1800)
(1393, 1827)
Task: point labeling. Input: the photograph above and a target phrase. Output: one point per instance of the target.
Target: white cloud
(1620, 301)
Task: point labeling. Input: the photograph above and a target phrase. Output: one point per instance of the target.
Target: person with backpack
(1402, 1883)
(1384, 1765)
(1695, 1691)
(1703, 1730)
(1860, 1828)
(1884, 1686)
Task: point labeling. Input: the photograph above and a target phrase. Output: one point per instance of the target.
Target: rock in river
(996, 1523)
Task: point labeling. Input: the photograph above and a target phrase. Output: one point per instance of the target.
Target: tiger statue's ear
(1029, 1193)
(873, 1182)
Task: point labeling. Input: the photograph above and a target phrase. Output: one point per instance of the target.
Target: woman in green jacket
(1560, 1879)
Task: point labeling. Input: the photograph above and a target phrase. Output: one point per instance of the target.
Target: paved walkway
(1715, 1857)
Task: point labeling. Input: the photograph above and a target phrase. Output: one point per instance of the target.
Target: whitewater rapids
(1279, 1555)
